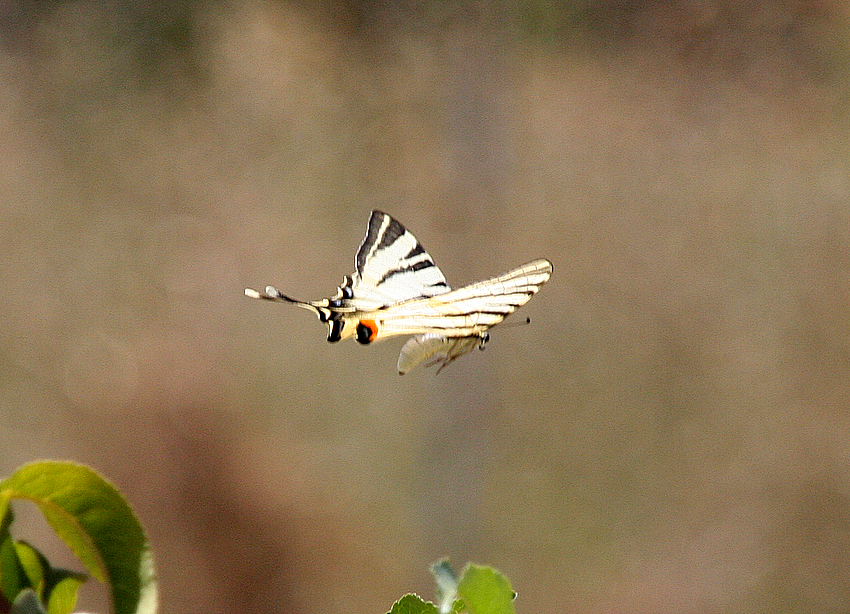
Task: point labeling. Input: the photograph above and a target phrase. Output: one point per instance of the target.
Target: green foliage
(485, 591)
(96, 523)
(478, 590)
(413, 604)
(57, 588)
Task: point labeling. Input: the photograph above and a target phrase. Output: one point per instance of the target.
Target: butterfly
(397, 289)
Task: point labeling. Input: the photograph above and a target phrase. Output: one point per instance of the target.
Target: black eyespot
(363, 333)
(367, 331)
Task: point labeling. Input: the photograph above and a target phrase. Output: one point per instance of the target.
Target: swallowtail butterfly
(397, 289)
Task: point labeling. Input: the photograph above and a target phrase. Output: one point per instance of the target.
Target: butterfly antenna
(273, 294)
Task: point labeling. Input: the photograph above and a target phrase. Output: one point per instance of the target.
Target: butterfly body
(398, 290)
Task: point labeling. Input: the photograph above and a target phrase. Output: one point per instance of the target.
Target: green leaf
(12, 577)
(35, 566)
(413, 604)
(6, 514)
(56, 587)
(96, 523)
(63, 597)
(485, 591)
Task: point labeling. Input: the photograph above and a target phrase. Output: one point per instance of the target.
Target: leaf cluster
(95, 522)
(100, 528)
(478, 590)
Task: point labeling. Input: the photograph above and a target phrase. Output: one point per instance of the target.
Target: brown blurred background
(672, 432)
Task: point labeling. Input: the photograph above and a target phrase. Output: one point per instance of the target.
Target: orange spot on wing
(373, 328)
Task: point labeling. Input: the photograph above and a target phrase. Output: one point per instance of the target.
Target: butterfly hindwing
(435, 348)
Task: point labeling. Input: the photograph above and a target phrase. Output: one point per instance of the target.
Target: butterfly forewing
(392, 266)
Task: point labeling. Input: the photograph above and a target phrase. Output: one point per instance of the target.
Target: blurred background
(670, 434)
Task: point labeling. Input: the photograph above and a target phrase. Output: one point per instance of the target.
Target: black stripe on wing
(393, 230)
(418, 249)
(382, 232)
(418, 266)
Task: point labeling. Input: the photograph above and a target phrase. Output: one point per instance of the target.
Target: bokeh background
(670, 434)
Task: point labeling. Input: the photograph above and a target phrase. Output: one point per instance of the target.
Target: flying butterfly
(397, 289)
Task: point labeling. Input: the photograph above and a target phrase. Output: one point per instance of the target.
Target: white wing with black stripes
(392, 266)
(397, 289)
